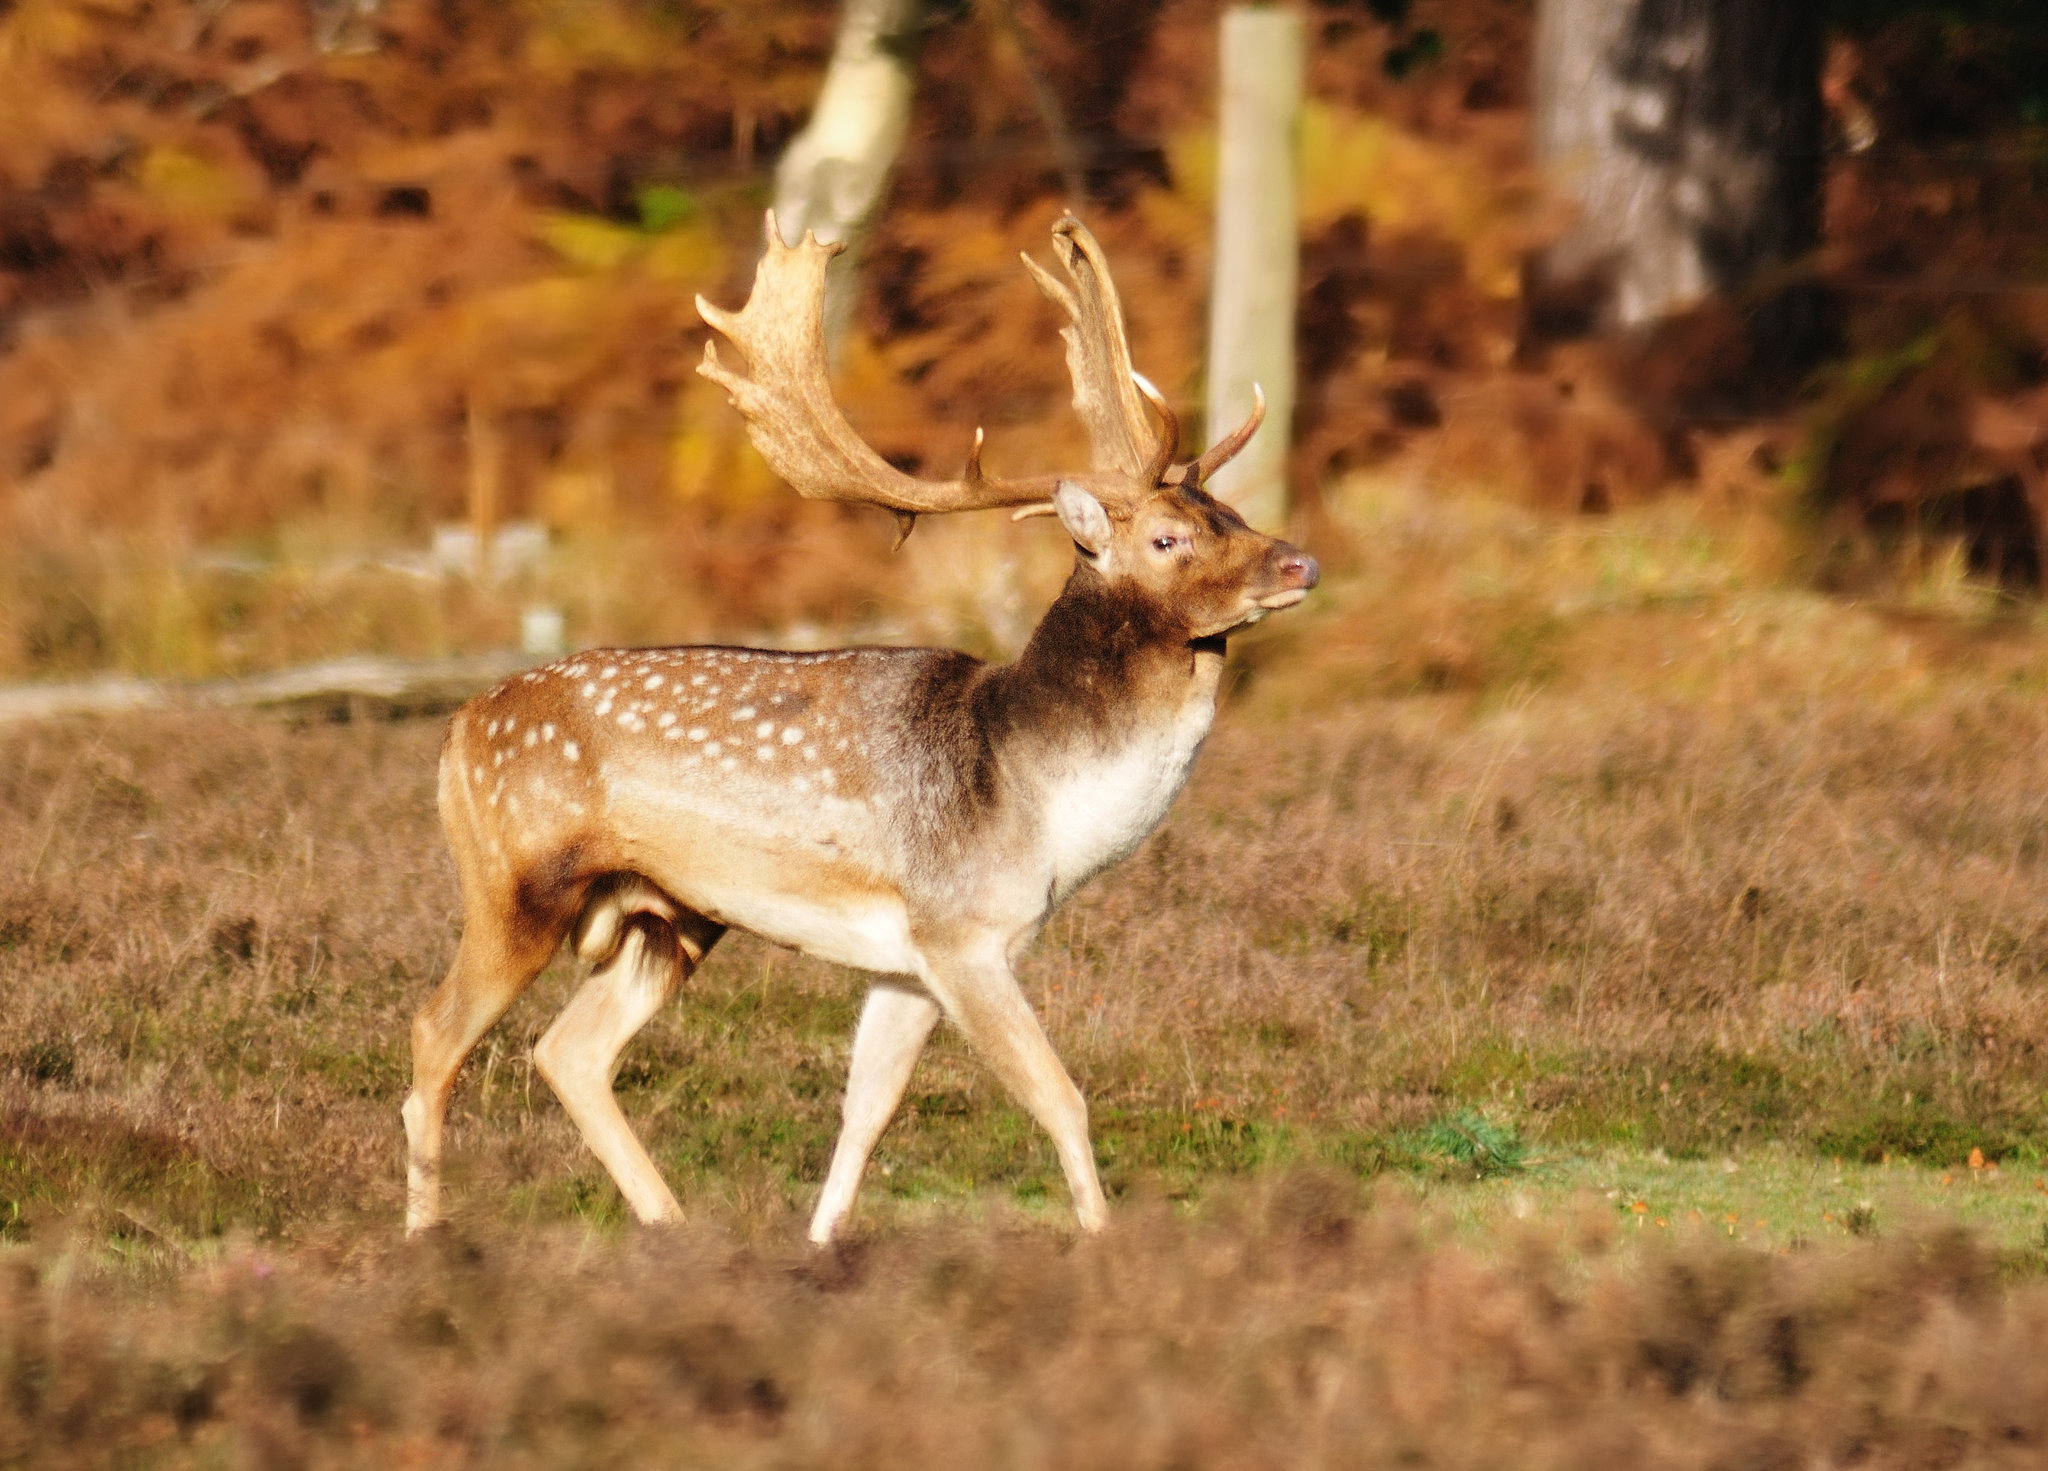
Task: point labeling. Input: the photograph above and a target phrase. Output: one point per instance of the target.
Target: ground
(1587, 1001)
(1586, 1011)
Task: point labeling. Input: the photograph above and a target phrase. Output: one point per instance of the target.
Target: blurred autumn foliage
(254, 271)
(306, 268)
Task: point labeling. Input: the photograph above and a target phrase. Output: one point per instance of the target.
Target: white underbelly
(796, 887)
(870, 933)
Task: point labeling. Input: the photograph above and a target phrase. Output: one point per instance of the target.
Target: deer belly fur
(870, 932)
(1103, 804)
(796, 904)
(798, 892)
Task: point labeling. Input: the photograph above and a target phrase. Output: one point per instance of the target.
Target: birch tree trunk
(1252, 298)
(832, 176)
(1689, 134)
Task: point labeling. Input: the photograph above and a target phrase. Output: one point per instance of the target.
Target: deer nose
(1300, 570)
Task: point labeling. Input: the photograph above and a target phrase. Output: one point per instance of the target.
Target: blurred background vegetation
(279, 279)
(1636, 853)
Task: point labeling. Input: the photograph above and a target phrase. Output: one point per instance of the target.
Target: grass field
(1585, 993)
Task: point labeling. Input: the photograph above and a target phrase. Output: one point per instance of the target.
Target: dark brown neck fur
(1103, 660)
(1100, 651)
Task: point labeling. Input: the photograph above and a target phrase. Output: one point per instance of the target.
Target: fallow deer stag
(910, 812)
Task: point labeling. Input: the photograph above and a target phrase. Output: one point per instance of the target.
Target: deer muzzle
(1296, 572)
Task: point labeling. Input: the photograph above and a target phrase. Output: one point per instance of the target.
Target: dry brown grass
(1588, 826)
(1573, 823)
(1287, 1326)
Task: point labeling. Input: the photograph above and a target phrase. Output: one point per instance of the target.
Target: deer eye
(1166, 542)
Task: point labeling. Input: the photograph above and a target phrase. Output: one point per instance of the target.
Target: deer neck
(1102, 716)
(1107, 664)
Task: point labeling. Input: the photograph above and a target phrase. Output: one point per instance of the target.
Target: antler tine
(1226, 449)
(787, 399)
(1123, 436)
(1153, 474)
(1169, 429)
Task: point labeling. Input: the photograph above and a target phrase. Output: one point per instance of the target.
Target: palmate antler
(787, 400)
(1123, 436)
(790, 413)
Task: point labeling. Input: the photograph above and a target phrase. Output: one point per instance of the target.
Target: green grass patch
(1468, 1139)
(1772, 1198)
(139, 1179)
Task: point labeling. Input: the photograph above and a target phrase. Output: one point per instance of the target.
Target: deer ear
(1082, 515)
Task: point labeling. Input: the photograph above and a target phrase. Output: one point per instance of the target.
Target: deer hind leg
(983, 999)
(894, 1025)
(495, 962)
(653, 950)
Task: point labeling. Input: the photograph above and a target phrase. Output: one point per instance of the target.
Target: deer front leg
(981, 995)
(580, 1053)
(894, 1026)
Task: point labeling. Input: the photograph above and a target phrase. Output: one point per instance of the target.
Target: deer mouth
(1276, 601)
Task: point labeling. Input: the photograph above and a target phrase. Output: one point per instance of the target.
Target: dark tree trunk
(1688, 133)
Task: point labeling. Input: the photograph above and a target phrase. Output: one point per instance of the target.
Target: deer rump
(910, 812)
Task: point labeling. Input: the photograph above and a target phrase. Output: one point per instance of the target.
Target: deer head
(1140, 520)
